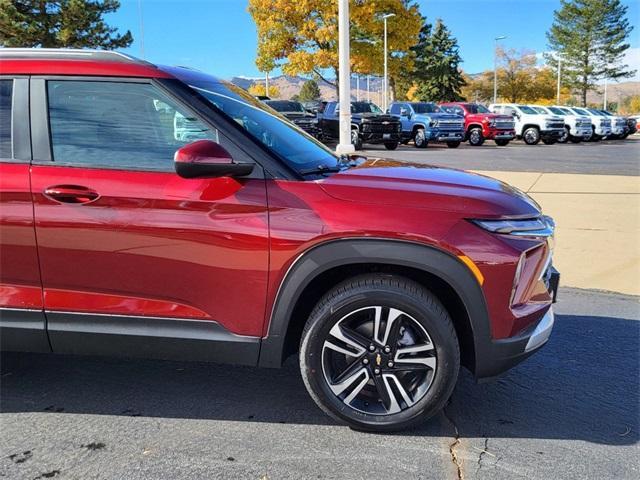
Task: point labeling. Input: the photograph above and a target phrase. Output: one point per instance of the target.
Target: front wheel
(549, 141)
(476, 138)
(502, 143)
(453, 144)
(564, 138)
(531, 136)
(380, 353)
(573, 139)
(356, 141)
(391, 145)
(420, 139)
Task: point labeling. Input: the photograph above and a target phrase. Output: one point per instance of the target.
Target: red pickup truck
(480, 124)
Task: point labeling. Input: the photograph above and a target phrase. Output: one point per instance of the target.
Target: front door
(136, 260)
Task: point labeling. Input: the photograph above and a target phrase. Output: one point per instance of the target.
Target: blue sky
(218, 36)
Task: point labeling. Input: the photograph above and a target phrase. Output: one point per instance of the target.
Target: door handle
(70, 194)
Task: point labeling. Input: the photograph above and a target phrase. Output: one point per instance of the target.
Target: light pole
(368, 89)
(495, 67)
(604, 100)
(344, 146)
(559, 73)
(141, 29)
(266, 84)
(385, 103)
(357, 87)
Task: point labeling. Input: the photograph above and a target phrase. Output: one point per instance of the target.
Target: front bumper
(504, 354)
(552, 134)
(376, 138)
(446, 136)
(603, 131)
(583, 132)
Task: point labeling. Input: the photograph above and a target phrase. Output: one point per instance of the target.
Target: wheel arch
(474, 125)
(417, 126)
(323, 266)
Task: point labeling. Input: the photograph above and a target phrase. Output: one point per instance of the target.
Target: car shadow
(582, 385)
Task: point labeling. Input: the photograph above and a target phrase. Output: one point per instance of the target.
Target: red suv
(480, 124)
(160, 212)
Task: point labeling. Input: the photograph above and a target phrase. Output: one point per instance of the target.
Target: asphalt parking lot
(609, 157)
(571, 411)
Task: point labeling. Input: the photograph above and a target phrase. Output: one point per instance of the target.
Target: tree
(302, 36)
(309, 91)
(589, 36)
(259, 90)
(630, 105)
(436, 74)
(62, 23)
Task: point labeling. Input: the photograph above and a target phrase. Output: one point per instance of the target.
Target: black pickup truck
(368, 125)
(296, 113)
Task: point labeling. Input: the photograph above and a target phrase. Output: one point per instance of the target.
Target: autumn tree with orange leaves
(301, 36)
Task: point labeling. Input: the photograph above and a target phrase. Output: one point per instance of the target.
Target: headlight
(399, 127)
(366, 126)
(433, 123)
(540, 227)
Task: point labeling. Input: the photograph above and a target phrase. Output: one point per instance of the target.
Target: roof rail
(67, 54)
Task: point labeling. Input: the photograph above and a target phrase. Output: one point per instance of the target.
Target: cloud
(632, 58)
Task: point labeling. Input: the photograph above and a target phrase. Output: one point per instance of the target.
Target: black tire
(565, 136)
(531, 136)
(594, 136)
(356, 140)
(549, 141)
(420, 139)
(476, 138)
(502, 143)
(573, 139)
(453, 144)
(391, 145)
(420, 312)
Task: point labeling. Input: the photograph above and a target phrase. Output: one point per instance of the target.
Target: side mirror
(207, 159)
(404, 112)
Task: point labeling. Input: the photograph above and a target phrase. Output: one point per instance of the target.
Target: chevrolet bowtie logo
(378, 360)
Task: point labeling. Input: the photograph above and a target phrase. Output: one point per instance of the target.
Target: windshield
(540, 110)
(297, 149)
(425, 108)
(580, 111)
(608, 114)
(596, 112)
(558, 111)
(476, 108)
(528, 110)
(285, 106)
(364, 107)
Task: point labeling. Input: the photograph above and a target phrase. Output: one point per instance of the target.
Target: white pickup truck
(619, 125)
(576, 127)
(600, 123)
(532, 126)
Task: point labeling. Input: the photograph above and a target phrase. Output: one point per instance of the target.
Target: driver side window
(119, 125)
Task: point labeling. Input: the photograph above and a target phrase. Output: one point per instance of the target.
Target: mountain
(290, 86)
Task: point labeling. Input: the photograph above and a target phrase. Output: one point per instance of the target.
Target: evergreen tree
(61, 23)
(436, 74)
(590, 37)
(309, 91)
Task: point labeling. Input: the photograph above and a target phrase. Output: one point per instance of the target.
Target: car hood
(298, 115)
(374, 117)
(404, 184)
(439, 116)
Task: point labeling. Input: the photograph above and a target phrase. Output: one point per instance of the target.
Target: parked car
(314, 106)
(576, 128)
(632, 124)
(253, 242)
(368, 125)
(295, 112)
(480, 124)
(425, 122)
(619, 125)
(532, 126)
(600, 123)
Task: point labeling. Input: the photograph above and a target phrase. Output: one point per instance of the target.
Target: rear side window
(118, 125)
(6, 95)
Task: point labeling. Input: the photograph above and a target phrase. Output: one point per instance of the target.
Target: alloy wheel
(378, 360)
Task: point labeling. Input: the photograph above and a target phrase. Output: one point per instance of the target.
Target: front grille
(450, 124)
(583, 123)
(505, 125)
(606, 123)
(621, 123)
(390, 127)
(555, 125)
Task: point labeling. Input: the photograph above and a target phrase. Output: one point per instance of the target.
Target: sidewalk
(598, 226)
